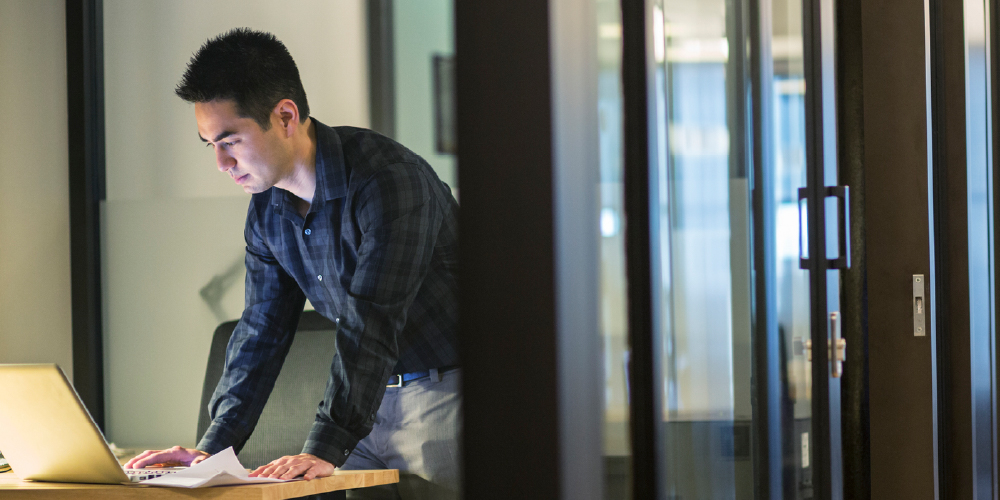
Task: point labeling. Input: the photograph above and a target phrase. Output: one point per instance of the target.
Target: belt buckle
(397, 384)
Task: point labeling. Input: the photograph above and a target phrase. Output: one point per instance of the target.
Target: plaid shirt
(377, 254)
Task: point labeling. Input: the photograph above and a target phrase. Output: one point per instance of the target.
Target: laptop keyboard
(136, 475)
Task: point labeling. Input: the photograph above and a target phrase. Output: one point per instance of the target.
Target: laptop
(46, 433)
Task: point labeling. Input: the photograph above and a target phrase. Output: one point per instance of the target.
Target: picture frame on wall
(444, 104)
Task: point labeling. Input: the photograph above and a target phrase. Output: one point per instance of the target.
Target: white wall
(35, 321)
(172, 222)
(148, 44)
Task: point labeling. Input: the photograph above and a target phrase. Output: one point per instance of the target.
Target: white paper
(221, 469)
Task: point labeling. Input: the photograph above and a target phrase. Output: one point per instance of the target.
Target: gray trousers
(417, 430)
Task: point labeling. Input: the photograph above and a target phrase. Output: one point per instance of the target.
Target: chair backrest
(290, 411)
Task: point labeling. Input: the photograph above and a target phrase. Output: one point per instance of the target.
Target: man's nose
(223, 159)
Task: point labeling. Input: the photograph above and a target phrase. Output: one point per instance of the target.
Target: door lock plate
(919, 306)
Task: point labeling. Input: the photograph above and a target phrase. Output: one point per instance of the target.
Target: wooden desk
(11, 487)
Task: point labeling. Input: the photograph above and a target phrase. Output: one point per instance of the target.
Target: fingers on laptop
(183, 456)
(131, 463)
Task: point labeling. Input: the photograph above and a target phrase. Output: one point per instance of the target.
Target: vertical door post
(85, 83)
(640, 153)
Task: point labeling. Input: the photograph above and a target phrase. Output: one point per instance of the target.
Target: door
(747, 236)
(803, 212)
(827, 249)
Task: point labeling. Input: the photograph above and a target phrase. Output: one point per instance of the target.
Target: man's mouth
(241, 179)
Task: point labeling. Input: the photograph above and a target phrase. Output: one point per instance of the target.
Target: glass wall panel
(613, 313)
(704, 251)
(173, 242)
(788, 174)
(705, 240)
(423, 54)
(982, 274)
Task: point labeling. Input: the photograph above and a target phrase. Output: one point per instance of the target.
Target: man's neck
(302, 180)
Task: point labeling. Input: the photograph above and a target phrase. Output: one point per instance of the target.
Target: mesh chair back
(288, 416)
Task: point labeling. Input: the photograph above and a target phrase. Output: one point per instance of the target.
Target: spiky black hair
(251, 68)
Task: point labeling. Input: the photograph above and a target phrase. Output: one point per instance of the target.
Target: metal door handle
(836, 347)
(843, 195)
(839, 346)
(803, 257)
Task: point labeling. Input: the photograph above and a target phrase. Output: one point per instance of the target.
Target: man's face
(255, 159)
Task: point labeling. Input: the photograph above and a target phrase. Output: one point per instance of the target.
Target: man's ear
(288, 116)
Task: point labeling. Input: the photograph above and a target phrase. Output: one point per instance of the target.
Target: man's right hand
(173, 456)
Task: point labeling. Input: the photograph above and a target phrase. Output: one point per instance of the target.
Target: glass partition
(173, 242)
(706, 277)
(704, 251)
(788, 175)
(613, 313)
(979, 143)
(423, 55)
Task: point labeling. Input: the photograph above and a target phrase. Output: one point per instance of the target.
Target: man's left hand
(305, 465)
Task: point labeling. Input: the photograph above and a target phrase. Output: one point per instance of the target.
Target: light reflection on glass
(613, 313)
(789, 174)
(704, 246)
(704, 250)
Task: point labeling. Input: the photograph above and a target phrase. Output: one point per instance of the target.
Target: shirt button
(309, 231)
(320, 277)
(347, 452)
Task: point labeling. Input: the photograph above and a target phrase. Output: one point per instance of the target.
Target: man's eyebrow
(219, 137)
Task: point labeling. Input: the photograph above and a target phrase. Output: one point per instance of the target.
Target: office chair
(290, 411)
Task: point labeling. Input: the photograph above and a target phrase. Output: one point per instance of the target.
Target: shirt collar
(331, 170)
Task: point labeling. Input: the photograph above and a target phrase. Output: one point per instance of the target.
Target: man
(365, 230)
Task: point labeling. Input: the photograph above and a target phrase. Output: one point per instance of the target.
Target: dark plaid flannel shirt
(377, 253)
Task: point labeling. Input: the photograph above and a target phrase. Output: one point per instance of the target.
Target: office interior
(657, 238)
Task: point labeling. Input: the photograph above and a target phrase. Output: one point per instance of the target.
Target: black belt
(402, 378)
